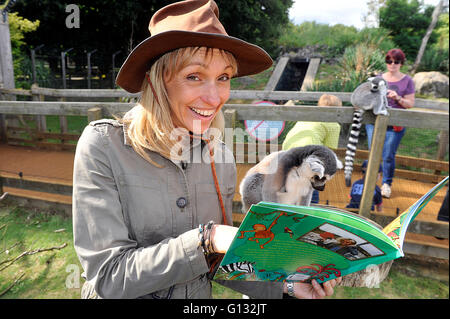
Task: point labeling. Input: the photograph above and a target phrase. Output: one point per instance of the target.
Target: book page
(396, 230)
(338, 215)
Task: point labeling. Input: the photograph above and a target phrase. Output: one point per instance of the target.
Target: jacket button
(181, 202)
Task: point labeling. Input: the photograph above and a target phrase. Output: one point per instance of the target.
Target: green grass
(397, 285)
(46, 273)
(421, 143)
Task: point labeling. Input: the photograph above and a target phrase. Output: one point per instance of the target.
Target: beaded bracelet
(205, 237)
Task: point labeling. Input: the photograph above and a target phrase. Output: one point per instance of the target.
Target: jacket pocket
(208, 206)
(145, 207)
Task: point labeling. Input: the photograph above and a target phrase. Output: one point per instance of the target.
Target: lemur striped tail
(351, 146)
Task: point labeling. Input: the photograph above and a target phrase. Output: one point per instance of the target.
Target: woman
(401, 96)
(147, 187)
(315, 133)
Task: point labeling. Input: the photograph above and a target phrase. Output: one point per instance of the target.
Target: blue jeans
(391, 143)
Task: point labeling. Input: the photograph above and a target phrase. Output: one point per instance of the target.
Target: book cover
(277, 242)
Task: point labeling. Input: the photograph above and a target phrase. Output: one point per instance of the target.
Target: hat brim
(251, 58)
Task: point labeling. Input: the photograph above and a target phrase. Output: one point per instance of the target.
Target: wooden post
(443, 143)
(94, 114)
(276, 74)
(376, 152)
(310, 75)
(6, 68)
(230, 125)
(41, 120)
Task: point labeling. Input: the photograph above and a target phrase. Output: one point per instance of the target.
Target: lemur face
(314, 168)
(318, 183)
(376, 84)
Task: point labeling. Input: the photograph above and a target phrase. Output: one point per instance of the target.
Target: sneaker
(386, 190)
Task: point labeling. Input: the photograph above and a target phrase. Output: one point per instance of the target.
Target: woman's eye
(224, 77)
(192, 77)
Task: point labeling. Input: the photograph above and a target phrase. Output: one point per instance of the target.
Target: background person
(401, 92)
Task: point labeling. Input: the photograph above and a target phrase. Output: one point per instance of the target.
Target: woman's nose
(212, 95)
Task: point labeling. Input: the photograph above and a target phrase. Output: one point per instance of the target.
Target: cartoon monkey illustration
(261, 232)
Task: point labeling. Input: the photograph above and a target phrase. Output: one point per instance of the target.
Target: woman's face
(199, 90)
(393, 67)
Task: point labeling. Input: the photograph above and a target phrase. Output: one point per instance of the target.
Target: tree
(407, 20)
(112, 25)
(257, 21)
(436, 12)
(105, 25)
(18, 28)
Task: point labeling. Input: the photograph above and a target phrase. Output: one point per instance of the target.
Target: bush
(434, 59)
(356, 65)
(337, 38)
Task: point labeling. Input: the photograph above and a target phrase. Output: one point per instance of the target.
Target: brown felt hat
(182, 24)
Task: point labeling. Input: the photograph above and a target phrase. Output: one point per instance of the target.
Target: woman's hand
(314, 290)
(221, 237)
(393, 95)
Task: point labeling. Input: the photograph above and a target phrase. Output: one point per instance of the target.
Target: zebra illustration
(370, 95)
(241, 266)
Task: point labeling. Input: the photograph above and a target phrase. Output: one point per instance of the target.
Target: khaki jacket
(136, 225)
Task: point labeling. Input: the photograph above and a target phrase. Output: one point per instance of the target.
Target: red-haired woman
(400, 95)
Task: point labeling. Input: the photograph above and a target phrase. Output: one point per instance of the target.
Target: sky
(347, 12)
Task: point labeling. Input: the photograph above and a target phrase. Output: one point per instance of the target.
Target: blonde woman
(152, 199)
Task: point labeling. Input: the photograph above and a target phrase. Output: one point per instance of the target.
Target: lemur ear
(370, 79)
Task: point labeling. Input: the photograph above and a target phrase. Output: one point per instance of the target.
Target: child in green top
(315, 133)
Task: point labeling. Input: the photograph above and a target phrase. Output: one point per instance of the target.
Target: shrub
(358, 63)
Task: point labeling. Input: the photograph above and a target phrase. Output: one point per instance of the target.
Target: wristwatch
(290, 289)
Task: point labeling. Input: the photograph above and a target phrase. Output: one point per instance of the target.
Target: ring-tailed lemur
(289, 177)
(371, 95)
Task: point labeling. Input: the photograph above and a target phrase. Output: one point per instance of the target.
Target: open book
(277, 242)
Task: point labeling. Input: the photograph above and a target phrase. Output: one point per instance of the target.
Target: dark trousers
(443, 211)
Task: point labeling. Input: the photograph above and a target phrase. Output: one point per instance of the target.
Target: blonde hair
(150, 125)
(329, 100)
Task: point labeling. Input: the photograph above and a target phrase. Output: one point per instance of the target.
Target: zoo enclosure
(431, 118)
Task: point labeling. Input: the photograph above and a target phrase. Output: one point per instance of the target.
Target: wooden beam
(284, 95)
(6, 70)
(57, 136)
(370, 180)
(37, 186)
(425, 250)
(61, 108)
(234, 94)
(409, 118)
(310, 75)
(83, 93)
(276, 74)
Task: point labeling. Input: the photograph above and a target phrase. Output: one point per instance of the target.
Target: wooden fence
(427, 115)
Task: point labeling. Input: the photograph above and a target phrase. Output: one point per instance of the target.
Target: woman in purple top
(401, 96)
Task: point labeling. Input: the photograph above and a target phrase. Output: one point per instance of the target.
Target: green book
(277, 242)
